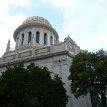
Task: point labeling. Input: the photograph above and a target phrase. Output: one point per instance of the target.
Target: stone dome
(37, 20)
(35, 30)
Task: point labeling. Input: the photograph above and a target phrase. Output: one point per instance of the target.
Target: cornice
(33, 58)
(34, 24)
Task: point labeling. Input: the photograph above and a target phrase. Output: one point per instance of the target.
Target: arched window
(45, 38)
(51, 40)
(29, 36)
(37, 37)
(22, 39)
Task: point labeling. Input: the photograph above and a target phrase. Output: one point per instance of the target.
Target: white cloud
(23, 3)
(95, 43)
(84, 20)
(59, 4)
(6, 3)
(8, 23)
(7, 30)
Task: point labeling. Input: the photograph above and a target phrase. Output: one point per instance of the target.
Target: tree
(31, 87)
(88, 73)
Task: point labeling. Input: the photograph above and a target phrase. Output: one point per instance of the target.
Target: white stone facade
(55, 55)
(35, 31)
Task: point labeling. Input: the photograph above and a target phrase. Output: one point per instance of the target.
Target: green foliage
(88, 73)
(31, 87)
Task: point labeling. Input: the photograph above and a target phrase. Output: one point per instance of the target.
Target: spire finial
(8, 46)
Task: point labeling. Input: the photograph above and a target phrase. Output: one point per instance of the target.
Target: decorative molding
(42, 50)
(25, 54)
(8, 58)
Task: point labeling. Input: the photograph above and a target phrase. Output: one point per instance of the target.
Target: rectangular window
(29, 37)
(45, 39)
(51, 40)
(22, 39)
(37, 37)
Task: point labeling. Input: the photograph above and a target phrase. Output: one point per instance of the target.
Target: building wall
(57, 58)
(33, 30)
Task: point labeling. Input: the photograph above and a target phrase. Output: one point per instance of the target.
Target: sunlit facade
(38, 42)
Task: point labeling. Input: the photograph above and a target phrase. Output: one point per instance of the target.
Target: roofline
(35, 58)
(34, 24)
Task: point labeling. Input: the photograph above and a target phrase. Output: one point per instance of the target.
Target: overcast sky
(84, 20)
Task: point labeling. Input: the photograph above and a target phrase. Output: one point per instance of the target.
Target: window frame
(45, 38)
(37, 36)
(22, 39)
(29, 36)
(51, 40)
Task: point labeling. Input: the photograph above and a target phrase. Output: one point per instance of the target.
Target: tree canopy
(88, 73)
(31, 86)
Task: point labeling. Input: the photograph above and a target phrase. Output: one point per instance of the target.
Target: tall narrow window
(29, 37)
(37, 36)
(51, 40)
(45, 38)
(22, 39)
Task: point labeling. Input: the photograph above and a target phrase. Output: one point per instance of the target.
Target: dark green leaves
(31, 86)
(88, 72)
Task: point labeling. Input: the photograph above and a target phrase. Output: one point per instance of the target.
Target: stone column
(8, 46)
(48, 39)
(33, 37)
(41, 37)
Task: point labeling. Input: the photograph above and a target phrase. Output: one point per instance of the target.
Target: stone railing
(33, 52)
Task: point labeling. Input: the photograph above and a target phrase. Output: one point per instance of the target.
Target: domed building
(38, 42)
(35, 31)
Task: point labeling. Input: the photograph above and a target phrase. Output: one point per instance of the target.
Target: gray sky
(84, 20)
